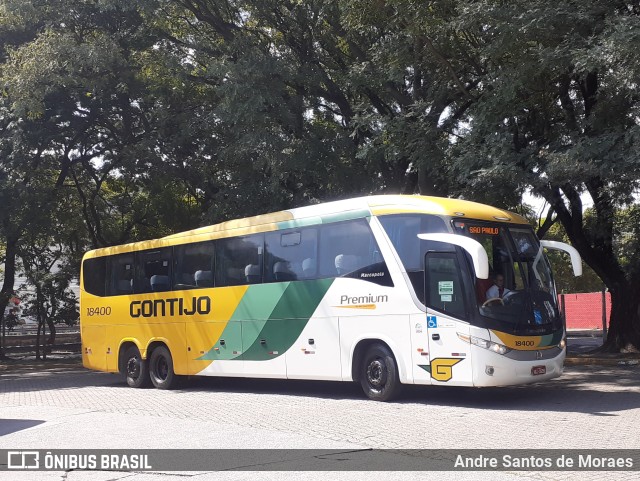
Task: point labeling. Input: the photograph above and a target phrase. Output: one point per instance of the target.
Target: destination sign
(483, 230)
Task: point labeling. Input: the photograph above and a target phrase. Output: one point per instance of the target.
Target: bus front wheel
(136, 369)
(161, 369)
(379, 376)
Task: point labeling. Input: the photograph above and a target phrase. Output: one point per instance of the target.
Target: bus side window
(346, 247)
(234, 255)
(94, 275)
(153, 271)
(193, 267)
(120, 274)
(444, 289)
(291, 255)
(403, 230)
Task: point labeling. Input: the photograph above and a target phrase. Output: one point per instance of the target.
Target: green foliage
(559, 113)
(627, 238)
(543, 111)
(566, 282)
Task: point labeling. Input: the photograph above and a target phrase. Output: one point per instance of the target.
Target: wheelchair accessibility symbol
(432, 322)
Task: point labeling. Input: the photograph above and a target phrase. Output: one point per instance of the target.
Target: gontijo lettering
(170, 307)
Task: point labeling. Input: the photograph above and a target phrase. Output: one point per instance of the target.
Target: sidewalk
(582, 343)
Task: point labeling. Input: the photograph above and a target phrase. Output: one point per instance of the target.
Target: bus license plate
(537, 370)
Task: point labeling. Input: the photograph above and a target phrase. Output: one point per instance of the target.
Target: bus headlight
(483, 343)
(563, 344)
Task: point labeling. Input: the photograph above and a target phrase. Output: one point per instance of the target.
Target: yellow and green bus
(381, 290)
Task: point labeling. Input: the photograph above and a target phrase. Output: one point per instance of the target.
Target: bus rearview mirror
(472, 247)
(576, 261)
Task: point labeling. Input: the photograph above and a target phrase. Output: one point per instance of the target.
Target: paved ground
(68, 407)
(583, 341)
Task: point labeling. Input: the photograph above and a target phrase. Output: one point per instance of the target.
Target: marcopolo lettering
(170, 307)
(365, 275)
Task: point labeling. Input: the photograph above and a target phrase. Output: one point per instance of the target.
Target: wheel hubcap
(376, 373)
(133, 368)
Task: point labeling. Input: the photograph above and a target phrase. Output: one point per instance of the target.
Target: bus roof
(360, 207)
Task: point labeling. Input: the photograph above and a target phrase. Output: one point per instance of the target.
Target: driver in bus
(497, 290)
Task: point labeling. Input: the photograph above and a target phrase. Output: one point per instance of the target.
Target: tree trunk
(625, 319)
(7, 288)
(50, 316)
(44, 344)
(39, 320)
(598, 253)
(38, 338)
(52, 330)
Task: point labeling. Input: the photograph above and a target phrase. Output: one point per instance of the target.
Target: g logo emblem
(442, 368)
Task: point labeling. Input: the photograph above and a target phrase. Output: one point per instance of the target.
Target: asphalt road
(589, 407)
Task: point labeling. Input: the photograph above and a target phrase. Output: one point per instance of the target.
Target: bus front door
(449, 353)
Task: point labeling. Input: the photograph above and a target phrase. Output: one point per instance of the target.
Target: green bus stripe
(259, 302)
(288, 319)
(301, 299)
(276, 312)
(254, 309)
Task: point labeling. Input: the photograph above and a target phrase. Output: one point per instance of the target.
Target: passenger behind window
(159, 283)
(346, 263)
(124, 287)
(309, 268)
(252, 274)
(282, 273)
(204, 278)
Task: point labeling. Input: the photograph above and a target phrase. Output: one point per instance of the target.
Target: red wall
(584, 311)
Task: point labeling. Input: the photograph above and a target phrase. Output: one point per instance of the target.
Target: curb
(600, 361)
(41, 365)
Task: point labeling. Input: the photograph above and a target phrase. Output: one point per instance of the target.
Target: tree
(559, 112)
(566, 281)
(317, 100)
(64, 108)
(51, 302)
(160, 115)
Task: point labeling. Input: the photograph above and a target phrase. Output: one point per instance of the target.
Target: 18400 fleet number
(98, 311)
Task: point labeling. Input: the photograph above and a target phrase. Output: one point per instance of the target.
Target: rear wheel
(161, 369)
(379, 375)
(136, 369)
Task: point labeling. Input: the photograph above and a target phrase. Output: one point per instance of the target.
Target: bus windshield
(520, 290)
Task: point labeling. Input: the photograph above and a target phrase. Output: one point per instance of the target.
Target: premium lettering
(170, 307)
(344, 299)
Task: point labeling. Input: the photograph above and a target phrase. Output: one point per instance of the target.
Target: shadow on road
(595, 390)
(586, 389)
(591, 390)
(8, 426)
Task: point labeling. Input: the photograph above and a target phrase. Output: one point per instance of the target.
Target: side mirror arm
(576, 260)
(472, 247)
